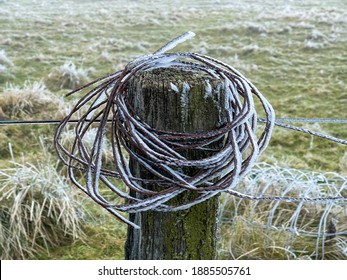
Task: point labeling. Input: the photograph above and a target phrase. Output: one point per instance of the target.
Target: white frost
(174, 87)
(186, 88)
(208, 89)
(97, 102)
(175, 42)
(184, 102)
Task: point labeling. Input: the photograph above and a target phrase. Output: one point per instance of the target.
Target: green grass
(294, 52)
(105, 238)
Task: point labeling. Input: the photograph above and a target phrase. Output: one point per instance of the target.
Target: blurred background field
(295, 52)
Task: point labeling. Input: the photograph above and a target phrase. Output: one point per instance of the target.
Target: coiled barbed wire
(106, 106)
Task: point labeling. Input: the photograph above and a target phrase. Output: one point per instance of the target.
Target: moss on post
(180, 101)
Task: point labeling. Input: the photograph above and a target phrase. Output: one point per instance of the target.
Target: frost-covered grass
(5, 64)
(68, 76)
(285, 230)
(68, 138)
(31, 101)
(39, 210)
(4, 60)
(293, 51)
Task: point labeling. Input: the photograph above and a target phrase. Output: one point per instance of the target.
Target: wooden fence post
(180, 101)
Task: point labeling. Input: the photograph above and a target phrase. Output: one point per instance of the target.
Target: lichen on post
(174, 100)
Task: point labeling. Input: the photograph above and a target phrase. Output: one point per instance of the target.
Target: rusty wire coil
(105, 108)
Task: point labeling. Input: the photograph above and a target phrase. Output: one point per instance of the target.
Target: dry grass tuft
(5, 64)
(38, 210)
(31, 101)
(68, 76)
(4, 60)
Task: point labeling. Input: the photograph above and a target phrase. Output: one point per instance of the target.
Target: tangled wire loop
(115, 122)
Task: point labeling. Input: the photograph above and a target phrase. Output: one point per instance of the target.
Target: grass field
(295, 52)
